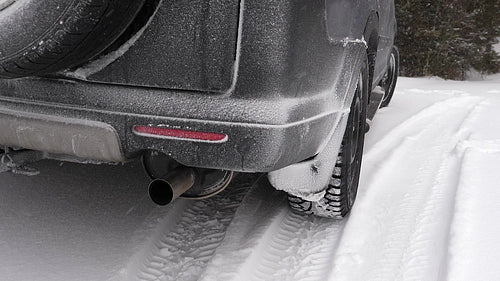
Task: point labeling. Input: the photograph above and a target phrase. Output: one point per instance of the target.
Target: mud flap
(308, 179)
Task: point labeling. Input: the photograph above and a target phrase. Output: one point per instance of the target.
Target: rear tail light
(168, 133)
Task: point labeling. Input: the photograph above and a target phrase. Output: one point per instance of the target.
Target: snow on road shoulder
(475, 249)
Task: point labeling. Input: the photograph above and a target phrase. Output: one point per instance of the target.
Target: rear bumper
(60, 135)
(291, 85)
(76, 118)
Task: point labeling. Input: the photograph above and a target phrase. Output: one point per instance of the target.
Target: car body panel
(188, 45)
(278, 86)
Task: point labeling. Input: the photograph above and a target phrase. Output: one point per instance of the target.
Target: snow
(62, 224)
(474, 237)
(427, 209)
(496, 47)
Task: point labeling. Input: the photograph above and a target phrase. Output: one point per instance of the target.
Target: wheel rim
(355, 151)
(6, 3)
(356, 116)
(388, 79)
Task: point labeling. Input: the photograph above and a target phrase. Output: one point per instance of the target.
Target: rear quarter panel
(349, 20)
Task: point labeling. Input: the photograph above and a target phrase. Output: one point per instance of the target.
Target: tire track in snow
(473, 251)
(412, 126)
(278, 245)
(404, 205)
(188, 236)
(301, 249)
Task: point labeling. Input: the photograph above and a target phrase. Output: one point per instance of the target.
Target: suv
(199, 89)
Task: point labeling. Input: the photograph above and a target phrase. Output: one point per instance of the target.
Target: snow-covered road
(427, 209)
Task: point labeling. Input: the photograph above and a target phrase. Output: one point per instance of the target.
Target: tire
(388, 82)
(43, 36)
(342, 189)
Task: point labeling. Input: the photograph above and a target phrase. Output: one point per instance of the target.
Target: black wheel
(342, 189)
(388, 83)
(44, 36)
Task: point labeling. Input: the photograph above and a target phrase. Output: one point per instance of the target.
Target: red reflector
(180, 134)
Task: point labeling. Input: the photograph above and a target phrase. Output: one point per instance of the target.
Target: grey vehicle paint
(274, 76)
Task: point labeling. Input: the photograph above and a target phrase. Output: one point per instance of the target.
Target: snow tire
(341, 192)
(44, 36)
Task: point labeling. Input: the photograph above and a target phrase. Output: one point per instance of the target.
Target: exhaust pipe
(166, 189)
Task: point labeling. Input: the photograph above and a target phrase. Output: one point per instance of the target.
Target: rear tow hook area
(17, 161)
(171, 180)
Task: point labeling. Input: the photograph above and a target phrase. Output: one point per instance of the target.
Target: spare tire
(43, 36)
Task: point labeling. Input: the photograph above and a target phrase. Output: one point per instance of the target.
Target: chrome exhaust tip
(166, 189)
